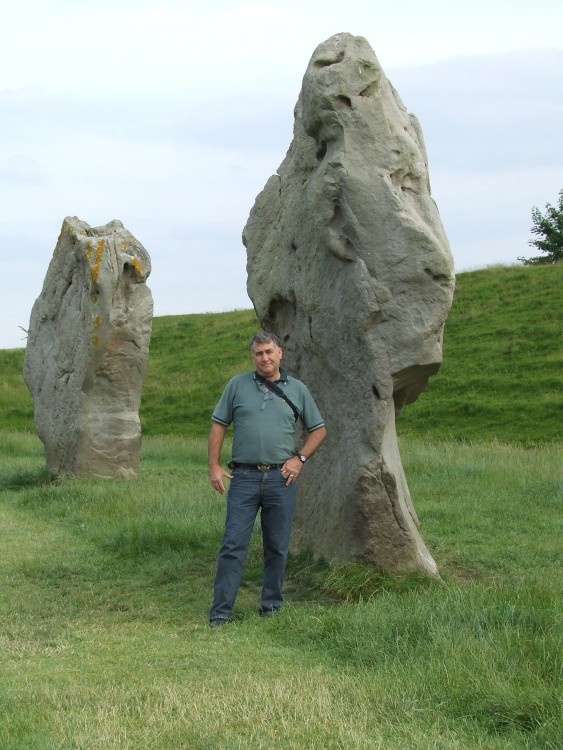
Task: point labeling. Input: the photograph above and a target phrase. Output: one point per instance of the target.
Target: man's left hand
(291, 469)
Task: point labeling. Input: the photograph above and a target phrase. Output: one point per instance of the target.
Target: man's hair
(263, 337)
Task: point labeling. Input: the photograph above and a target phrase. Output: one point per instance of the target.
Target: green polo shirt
(264, 425)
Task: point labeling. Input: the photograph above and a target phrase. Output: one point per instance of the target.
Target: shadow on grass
(309, 579)
(26, 479)
(157, 538)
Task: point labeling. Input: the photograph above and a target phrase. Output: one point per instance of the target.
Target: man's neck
(272, 378)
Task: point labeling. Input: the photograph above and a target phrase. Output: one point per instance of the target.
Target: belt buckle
(263, 467)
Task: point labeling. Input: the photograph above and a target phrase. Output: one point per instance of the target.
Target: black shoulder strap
(278, 391)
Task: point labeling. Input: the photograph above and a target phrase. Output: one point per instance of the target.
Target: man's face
(267, 358)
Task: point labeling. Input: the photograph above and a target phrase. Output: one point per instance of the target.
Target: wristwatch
(302, 457)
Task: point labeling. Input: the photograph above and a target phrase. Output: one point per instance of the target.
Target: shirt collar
(283, 377)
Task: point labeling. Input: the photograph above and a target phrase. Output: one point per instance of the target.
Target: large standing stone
(349, 264)
(87, 351)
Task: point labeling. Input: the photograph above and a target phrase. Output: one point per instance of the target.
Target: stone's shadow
(26, 479)
(310, 580)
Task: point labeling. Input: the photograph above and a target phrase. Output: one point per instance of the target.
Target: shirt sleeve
(223, 412)
(311, 416)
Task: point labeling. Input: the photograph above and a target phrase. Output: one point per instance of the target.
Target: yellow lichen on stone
(138, 266)
(96, 320)
(95, 340)
(94, 257)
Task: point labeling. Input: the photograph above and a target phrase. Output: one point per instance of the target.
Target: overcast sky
(170, 115)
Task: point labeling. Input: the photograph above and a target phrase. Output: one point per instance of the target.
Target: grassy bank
(106, 587)
(502, 376)
(501, 379)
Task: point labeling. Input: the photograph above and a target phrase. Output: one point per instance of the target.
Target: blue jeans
(250, 491)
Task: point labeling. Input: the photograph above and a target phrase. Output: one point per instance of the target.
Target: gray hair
(264, 337)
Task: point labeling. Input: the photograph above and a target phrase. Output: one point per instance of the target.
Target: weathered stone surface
(87, 351)
(349, 264)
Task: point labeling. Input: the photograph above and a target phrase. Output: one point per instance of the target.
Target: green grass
(501, 379)
(16, 404)
(106, 587)
(191, 359)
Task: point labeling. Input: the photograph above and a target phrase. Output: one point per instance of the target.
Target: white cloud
(487, 217)
(171, 116)
(22, 169)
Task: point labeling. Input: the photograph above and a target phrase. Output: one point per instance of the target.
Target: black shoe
(217, 622)
(268, 611)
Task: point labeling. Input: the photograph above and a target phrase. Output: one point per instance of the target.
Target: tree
(549, 228)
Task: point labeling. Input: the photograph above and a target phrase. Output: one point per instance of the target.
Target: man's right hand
(216, 471)
(216, 475)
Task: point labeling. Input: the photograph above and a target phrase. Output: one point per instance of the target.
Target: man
(265, 466)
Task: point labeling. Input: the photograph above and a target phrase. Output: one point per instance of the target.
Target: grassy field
(105, 586)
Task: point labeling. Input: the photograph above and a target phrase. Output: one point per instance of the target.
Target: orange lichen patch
(138, 266)
(94, 257)
(96, 320)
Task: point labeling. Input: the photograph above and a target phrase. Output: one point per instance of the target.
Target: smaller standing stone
(87, 351)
